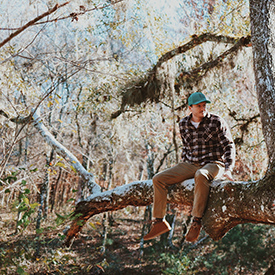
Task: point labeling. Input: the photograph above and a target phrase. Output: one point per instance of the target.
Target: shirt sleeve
(183, 154)
(227, 144)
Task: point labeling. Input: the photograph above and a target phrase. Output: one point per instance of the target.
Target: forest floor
(28, 253)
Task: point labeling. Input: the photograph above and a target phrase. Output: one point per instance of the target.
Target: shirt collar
(206, 117)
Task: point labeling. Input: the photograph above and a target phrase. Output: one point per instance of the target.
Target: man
(208, 153)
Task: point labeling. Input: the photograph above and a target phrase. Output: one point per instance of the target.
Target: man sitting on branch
(208, 153)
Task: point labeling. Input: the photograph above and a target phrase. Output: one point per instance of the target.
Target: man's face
(198, 110)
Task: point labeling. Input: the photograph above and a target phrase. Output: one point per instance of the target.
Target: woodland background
(74, 65)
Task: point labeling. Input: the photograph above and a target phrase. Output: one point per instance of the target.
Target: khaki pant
(203, 176)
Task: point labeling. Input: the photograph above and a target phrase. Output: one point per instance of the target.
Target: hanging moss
(144, 90)
(149, 87)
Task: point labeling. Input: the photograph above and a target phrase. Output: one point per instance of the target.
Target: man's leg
(203, 179)
(161, 182)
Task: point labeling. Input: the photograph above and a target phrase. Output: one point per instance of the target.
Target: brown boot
(158, 228)
(193, 232)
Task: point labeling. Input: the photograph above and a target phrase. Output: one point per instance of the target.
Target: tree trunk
(262, 17)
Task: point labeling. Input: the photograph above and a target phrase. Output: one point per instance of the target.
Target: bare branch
(2, 113)
(23, 49)
(74, 15)
(66, 154)
(34, 117)
(31, 23)
(243, 125)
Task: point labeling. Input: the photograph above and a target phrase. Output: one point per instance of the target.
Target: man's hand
(228, 175)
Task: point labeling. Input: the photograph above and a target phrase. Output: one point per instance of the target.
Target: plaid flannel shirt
(210, 142)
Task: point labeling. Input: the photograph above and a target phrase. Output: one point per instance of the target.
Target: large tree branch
(230, 203)
(199, 72)
(148, 88)
(195, 41)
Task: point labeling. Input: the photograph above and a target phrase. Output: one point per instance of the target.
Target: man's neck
(196, 119)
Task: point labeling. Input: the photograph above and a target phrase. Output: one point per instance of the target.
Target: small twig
(31, 23)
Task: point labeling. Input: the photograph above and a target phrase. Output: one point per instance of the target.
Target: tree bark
(262, 17)
(232, 203)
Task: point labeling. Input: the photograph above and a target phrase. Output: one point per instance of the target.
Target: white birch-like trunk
(66, 154)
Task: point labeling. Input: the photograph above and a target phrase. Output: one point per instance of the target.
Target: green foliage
(23, 207)
(12, 177)
(11, 262)
(20, 270)
(246, 249)
(60, 219)
(173, 264)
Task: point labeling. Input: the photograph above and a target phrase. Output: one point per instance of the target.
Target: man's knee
(202, 175)
(156, 178)
(159, 181)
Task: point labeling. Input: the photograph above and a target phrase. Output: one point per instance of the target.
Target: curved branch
(66, 154)
(34, 118)
(200, 71)
(196, 40)
(148, 88)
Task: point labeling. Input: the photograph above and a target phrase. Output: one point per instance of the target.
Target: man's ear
(190, 108)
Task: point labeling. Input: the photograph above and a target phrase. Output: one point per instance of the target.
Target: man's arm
(227, 143)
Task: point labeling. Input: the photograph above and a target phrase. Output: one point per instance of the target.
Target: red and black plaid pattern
(211, 141)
